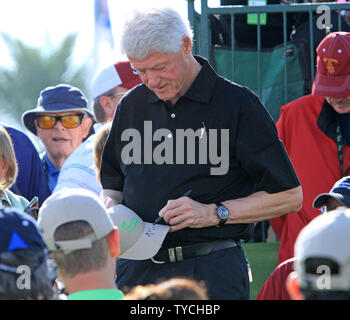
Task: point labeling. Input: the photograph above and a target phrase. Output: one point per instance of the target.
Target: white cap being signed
(139, 240)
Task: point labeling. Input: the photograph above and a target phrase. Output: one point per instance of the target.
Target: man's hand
(185, 212)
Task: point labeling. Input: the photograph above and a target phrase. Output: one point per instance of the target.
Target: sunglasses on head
(68, 120)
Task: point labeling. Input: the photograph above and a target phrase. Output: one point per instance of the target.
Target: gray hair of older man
(154, 30)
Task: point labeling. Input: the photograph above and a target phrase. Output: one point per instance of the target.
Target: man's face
(167, 75)
(109, 103)
(330, 205)
(60, 141)
(340, 105)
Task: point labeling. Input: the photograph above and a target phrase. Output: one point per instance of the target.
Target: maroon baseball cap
(333, 66)
(119, 74)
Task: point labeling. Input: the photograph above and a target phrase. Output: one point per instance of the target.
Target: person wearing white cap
(85, 238)
(108, 87)
(322, 266)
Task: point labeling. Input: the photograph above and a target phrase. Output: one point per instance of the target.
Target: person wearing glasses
(108, 88)
(61, 121)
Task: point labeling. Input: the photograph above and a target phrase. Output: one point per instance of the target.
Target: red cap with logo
(333, 66)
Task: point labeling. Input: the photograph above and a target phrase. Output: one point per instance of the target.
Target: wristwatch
(222, 213)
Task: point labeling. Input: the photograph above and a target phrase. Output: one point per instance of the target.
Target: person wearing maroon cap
(315, 130)
(108, 87)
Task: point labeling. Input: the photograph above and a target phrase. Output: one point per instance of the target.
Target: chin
(342, 110)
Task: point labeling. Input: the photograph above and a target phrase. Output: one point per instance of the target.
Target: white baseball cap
(326, 236)
(138, 240)
(69, 205)
(119, 74)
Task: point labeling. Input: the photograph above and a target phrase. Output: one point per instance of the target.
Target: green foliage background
(33, 71)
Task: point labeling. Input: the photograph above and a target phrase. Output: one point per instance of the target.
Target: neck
(193, 67)
(56, 161)
(89, 281)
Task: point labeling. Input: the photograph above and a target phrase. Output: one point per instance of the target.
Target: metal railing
(202, 29)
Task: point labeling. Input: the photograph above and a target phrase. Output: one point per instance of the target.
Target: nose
(58, 125)
(153, 80)
(336, 100)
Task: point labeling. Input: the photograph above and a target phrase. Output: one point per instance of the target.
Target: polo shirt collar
(5, 201)
(201, 88)
(327, 121)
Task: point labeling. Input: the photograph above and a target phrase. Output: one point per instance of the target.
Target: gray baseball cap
(138, 240)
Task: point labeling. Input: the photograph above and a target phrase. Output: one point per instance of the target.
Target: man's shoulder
(135, 92)
(306, 101)
(236, 93)
(18, 135)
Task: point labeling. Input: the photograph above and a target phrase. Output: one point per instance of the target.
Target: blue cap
(340, 192)
(60, 98)
(19, 231)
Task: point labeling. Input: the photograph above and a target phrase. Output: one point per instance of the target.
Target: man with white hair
(148, 166)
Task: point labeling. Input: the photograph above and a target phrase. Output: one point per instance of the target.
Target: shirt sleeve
(79, 170)
(260, 150)
(277, 223)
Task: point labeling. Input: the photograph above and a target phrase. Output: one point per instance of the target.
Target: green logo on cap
(131, 226)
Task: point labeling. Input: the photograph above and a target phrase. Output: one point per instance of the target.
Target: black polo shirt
(256, 159)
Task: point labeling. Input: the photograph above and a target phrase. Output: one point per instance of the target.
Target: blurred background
(46, 42)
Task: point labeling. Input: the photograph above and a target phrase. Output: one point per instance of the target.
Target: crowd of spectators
(88, 237)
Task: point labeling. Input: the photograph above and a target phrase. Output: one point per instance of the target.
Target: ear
(293, 286)
(187, 45)
(107, 106)
(113, 243)
(87, 123)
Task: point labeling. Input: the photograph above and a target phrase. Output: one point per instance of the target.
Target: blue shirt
(31, 180)
(52, 173)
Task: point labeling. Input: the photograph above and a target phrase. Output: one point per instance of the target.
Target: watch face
(223, 213)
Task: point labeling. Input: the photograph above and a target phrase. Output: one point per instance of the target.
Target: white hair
(157, 30)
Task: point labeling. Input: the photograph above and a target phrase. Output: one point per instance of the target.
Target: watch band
(222, 221)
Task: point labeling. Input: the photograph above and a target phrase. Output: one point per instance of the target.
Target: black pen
(184, 195)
